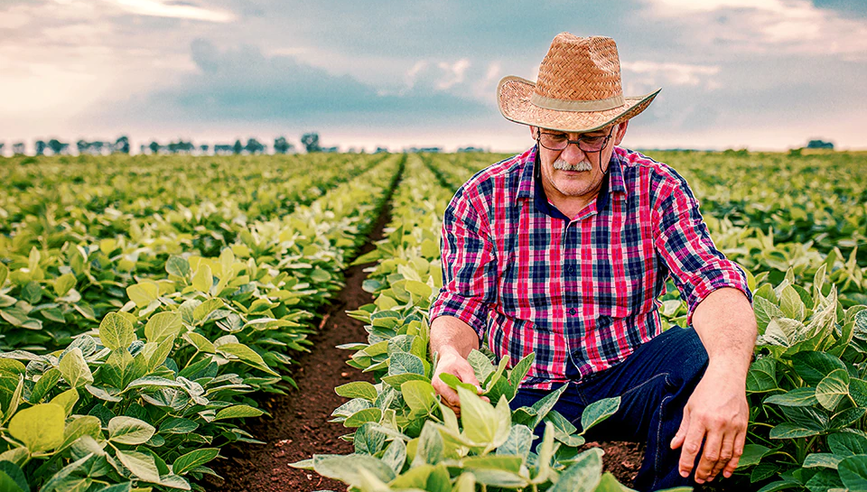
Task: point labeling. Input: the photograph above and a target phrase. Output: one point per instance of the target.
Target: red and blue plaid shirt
(582, 292)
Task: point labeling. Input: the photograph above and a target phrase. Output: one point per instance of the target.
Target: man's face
(573, 173)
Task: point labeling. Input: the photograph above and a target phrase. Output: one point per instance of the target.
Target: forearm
(450, 334)
(726, 324)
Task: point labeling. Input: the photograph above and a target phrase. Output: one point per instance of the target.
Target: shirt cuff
(469, 310)
(734, 279)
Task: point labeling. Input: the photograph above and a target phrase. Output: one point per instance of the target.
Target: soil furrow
(299, 425)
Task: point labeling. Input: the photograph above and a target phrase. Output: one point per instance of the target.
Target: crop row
(148, 391)
(204, 201)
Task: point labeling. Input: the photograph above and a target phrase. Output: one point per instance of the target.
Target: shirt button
(570, 269)
(572, 311)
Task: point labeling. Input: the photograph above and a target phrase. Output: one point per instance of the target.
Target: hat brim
(513, 99)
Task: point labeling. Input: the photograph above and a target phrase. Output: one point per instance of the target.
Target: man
(563, 251)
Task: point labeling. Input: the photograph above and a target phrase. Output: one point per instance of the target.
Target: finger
(468, 376)
(710, 455)
(681, 432)
(738, 451)
(726, 453)
(449, 396)
(691, 448)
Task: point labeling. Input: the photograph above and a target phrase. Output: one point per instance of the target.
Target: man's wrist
(728, 368)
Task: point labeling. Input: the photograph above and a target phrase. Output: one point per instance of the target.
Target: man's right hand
(451, 362)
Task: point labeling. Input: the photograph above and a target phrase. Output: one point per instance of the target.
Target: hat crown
(580, 69)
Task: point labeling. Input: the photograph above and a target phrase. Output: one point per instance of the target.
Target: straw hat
(578, 89)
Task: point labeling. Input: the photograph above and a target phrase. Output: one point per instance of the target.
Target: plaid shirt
(581, 293)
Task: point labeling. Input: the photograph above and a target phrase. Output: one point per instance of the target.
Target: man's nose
(572, 154)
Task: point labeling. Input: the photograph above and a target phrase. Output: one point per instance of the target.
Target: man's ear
(620, 132)
(533, 132)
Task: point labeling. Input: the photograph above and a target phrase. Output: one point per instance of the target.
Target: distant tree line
(122, 146)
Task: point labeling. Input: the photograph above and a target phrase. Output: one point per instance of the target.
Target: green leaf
(858, 390)
(32, 292)
(104, 393)
(822, 460)
(63, 284)
(45, 384)
(598, 411)
(64, 479)
(368, 439)
(791, 304)
(798, 397)
(346, 468)
(247, 356)
(144, 293)
(403, 363)
(40, 427)
(420, 289)
(121, 487)
(128, 430)
(153, 381)
(67, 400)
(357, 389)
(419, 396)
(157, 355)
(753, 454)
(788, 430)
(140, 464)
(238, 411)
(848, 443)
(362, 417)
(430, 446)
(847, 418)
(203, 280)
(833, 388)
(482, 366)
(762, 376)
(583, 475)
(163, 325)
(178, 266)
(178, 426)
(853, 472)
(12, 478)
(201, 343)
(83, 425)
(195, 458)
(519, 442)
(4, 272)
(395, 455)
(116, 332)
(481, 421)
(545, 404)
(814, 366)
(74, 368)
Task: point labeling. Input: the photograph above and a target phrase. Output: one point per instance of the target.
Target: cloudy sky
(762, 74)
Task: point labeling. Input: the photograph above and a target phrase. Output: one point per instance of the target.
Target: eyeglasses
(559, 141)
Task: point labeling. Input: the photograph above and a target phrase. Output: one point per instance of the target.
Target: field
(156, 312)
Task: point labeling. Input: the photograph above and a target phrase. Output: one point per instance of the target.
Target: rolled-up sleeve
(469, 265)
(685, 246)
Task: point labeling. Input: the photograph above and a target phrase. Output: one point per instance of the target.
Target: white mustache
(562, 165)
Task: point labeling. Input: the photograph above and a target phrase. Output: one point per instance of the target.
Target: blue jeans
(654, 384)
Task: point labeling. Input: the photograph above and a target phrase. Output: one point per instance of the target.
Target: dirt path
(299, 427)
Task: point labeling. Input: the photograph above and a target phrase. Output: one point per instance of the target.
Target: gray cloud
(244, 85)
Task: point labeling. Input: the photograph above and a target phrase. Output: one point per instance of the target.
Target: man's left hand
(716, 413)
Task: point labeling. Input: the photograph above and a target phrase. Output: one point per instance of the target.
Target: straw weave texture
(578, 73)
